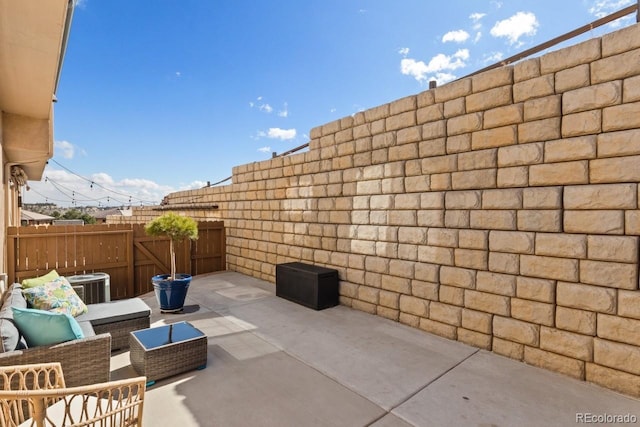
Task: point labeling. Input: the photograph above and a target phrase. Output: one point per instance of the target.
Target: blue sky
(165, 95)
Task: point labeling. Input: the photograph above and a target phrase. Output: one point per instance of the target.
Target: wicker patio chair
(35, 395)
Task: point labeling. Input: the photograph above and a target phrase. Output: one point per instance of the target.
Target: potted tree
(171, 289)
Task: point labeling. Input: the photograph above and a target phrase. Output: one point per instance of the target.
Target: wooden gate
(151, 254)
(123, 251)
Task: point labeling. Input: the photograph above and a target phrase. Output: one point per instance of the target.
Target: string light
(70, 195)
(91, 186)
(73, 199)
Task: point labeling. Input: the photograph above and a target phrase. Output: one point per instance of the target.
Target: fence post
(11, 254)
(132, 287)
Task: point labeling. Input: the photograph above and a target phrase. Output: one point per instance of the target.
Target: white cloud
(262, 106)
(265, 107)
(623, 22)
(139, 183)
(457, 36)
(66, 188)
(404, 51)
(99, 189)
(477, 25)
(102, 178)
(603, 8)
(65, 149)
(442, 78)
(520, 24)
(283, 134)
(357, 108)
(178, 74)
(417, 69)
(493, 57)
(192, 185)
(475, 19)
(477, 38)
(285, 111)
(265, 149)
(438, 65)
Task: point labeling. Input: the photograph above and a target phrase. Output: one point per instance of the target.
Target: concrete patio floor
(275, 363)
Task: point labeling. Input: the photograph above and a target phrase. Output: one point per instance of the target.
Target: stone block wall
(500, 210)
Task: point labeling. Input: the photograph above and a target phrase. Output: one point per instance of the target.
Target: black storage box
(312, 286)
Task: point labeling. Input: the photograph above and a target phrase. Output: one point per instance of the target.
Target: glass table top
(167, 334)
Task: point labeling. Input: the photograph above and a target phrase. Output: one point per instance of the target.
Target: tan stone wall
(500, 210)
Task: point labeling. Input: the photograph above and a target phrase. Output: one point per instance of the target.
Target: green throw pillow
(39, 327)
(56, 295)
(41, 280)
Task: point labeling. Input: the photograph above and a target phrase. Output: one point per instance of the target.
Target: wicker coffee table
(167, 350)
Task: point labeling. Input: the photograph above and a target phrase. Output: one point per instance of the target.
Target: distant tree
(88, 219)
(76, 214)
(72, 214)
(56, 214)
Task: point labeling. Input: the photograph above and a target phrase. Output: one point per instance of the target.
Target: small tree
(176, 228)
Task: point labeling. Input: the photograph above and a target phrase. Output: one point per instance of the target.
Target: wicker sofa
(86, 360)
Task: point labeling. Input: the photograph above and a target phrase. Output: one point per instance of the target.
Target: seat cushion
(115, 311)
(87, 329)
(9, 334)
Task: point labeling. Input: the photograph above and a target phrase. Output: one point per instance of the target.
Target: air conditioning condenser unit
(92, 288)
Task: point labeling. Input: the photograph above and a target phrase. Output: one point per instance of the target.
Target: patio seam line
(265, 338)
(335, 380)
(410, 396)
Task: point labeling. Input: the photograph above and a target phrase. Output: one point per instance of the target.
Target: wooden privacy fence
(123, 251)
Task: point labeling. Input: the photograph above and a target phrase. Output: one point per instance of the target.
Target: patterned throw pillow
(57, 295)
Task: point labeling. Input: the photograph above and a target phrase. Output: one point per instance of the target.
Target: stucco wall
(499, 210)
(3, 207)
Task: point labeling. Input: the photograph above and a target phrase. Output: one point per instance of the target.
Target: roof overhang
(33, 38)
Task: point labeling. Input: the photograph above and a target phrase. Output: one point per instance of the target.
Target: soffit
(31, 35)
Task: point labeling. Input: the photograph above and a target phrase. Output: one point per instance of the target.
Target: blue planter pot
(171, 293)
